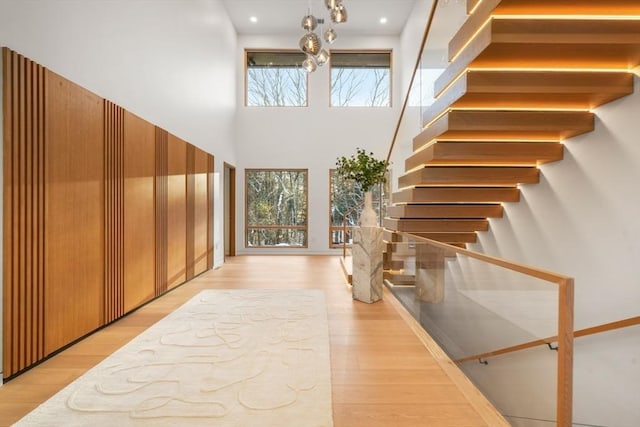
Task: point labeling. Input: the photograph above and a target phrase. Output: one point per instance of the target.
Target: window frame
(247, 51)
(372, 51)
(247, 227)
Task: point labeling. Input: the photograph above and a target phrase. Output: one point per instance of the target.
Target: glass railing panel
(448, 16)
(498, 324)
(470, 307)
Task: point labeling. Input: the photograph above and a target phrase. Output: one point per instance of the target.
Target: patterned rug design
(225, 358)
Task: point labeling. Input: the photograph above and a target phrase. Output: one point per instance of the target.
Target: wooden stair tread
(486, 153)
(436, 225)
(458, 210)
(457, 195)
(537, 8)
(399, 278)
(568, 7)
(482, 176)
(450, 238)
(548, 43)
(506, 125)
(510, 89)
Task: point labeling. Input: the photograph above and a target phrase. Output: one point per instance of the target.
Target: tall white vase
(368, 217)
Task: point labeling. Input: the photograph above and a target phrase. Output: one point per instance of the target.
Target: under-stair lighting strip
(570, 17)
(551, 69)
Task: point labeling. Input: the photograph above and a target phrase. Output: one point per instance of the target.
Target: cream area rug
(225, 358)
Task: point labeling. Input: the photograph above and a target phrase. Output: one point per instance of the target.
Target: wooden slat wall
(161, 203)
(95, 212)
(114, 211)
(139, 211)
(191, 204)
(176, 211)
(24, 98)
(74, 223)
(210, 171)
(200, 211)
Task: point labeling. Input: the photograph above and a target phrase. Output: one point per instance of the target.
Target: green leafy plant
(362, 168)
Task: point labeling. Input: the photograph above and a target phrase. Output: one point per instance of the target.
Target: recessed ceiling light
(253, 19)
(383, 20)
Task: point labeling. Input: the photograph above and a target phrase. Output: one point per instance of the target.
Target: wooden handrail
(605, 327)
(520, 268)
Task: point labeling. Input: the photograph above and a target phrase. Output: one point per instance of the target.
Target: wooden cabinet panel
(139, 211)
(176, 211)
(74, 215)
(201, 212)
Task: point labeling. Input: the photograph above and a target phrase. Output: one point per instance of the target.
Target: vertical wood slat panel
(23, 321)
(201, 211)
(161, 202)
(114, 211)
(210, 236)
(191, 201)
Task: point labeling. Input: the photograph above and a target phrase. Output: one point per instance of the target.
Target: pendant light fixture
(311, 44)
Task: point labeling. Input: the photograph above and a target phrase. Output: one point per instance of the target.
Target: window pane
(276, 237)
(360, 79)
(276, 207)
(275, 79)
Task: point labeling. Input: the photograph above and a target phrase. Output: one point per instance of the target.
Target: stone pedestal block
(429, 274)
(367, 264)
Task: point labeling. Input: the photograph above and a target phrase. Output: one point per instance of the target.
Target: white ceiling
(283, 17)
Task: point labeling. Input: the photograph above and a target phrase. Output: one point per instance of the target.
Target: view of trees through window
(276, 79)
(276, 207)
(346, 200)
(360, 79)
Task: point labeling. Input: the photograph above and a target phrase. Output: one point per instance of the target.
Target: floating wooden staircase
(523, 76)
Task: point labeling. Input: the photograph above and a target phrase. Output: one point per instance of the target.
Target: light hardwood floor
(382, 373)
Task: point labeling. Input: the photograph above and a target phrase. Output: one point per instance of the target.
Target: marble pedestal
(429, 274)
(367, 264)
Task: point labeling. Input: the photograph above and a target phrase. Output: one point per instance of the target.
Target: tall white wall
(172, 62)
(310, 137)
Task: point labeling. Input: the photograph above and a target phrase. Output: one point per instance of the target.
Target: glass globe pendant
(339, 14)
(330, 35)
(310, 44)
(309, 22)
(309, 64)
(332, 4)
(322, 58)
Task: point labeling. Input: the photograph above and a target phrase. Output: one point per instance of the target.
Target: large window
(345, 204)
(360, 79)
(276, 208)
(275, 79)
